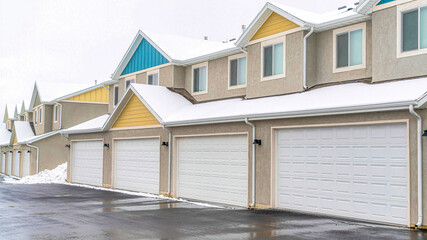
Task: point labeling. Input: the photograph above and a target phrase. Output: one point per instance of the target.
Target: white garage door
(137, 165)
(16, 161)
(26, 164)
(3, 163)
(87, 162)
(214, 169)
(9, 164)
(351, 171)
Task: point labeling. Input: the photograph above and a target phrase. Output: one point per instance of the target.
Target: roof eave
(207, 57)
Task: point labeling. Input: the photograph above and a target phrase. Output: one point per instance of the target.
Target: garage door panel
(87, 165)
(358, 171)
(137, 165)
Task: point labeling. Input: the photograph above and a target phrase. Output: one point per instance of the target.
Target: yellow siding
(274, 24)
(135, 114)
(97, 95)
(15, 141)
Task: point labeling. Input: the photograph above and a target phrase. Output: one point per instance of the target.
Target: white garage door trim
(9, 164)
(131, 179)
(16, 162)
(96, 176)
(404, 153)
(3, 162)
(26, 163)
(244, 202)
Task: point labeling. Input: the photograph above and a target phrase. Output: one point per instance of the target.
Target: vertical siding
(135, 114)
(384, 1)
(145, 56)
(274, 24)
(96, 95)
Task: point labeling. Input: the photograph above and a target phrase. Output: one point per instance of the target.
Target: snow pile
(57, 175)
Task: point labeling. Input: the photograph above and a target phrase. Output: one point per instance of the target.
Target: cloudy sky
(80, 41)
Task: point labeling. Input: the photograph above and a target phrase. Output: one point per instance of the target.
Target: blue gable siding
(145, 56)
(384, 1)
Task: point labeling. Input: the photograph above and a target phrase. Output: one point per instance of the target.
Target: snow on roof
(93, 125)
(184, 48)
(161, 100)
(39, 137)
(23, 131)
(317, 18)
(4, 135)
(50, 91)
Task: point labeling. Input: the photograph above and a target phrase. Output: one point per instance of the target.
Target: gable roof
(176, 49)
(305, 19)
(23, 131)
(93, 125)
(4, 136)
(23, 109)
(15, 112)
(6, 114)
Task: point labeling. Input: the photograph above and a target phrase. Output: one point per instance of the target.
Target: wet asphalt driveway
(56, 211)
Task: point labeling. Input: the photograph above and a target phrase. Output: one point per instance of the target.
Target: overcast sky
(78, 41)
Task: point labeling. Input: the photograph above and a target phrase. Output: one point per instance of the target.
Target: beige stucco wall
(46, 124)
(292, 82)
(74, 113)
(320, 59)
(179, 77)
(217, 84)
(52, 153)
(386, 65)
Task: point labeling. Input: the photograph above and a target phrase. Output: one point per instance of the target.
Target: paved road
(55, 211)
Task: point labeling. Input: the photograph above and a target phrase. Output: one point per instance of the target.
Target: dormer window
(273, 58)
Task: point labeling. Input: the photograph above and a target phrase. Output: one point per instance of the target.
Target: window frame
(41, 115)
(234, 57)
(129, 79)
(35, 116)
(55, 113)
(264, 44)
(152, 73)
(402, 9)
(343, 30)
(205, 64)
(116, 86)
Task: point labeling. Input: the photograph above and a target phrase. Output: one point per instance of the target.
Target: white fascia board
(211, 56)
(422, 101)
(365, 7)
(115, 110)
(80, 131)
(74, 94)
(40, 137)
(341, 22)
(297, 114)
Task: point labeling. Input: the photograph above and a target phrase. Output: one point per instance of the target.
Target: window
(349, 48)
(200, 78)
(35, 116)
(414, 29)
(116, 95)
(153, 78)
(55, 113)
(129, 81)
(25, 117)
(41, 115)
(237, 71)
(273, 58)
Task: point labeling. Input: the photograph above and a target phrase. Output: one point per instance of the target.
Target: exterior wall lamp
(165, 144)
(257, 142)
(425, 133)
(67, 145)
(107, 145)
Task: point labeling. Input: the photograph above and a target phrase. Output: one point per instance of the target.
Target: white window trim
(237, 56)
(334, 46)
(129, 79)
(271, 42)
(114, 94)
(154, 72)
(388, 5)
(35, 117)
(41, 111)
(55, 115)
(400, 10)
(204, 64)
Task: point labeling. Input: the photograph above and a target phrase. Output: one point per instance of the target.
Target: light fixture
(107, 145)
(10, 152)
(257, 142)
(19, 151)
(67, 145)
(28, 151)
(425, 133)
(165, 144)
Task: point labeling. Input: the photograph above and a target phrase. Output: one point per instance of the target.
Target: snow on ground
(59, 176)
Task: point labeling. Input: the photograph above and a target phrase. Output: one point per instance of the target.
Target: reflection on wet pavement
(70, 212)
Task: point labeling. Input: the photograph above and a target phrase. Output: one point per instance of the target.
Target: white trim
(204, 64)
(389, 4)
(400, 10)
(55, 113)
(41, 111)
(114, 94)
(276, 35)
(135, 127)
(237, 56)
(153, 72)
(35, 116)
(272, 42)
(348, 29)
(146, 70)
(72, 101)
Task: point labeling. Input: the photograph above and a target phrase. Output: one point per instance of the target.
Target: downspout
(304, 71)
(169, 159)
(60, 115)
(419, 165)
(253, 162)
(37, 149)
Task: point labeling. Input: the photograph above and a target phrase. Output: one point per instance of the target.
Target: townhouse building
(320, 113)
